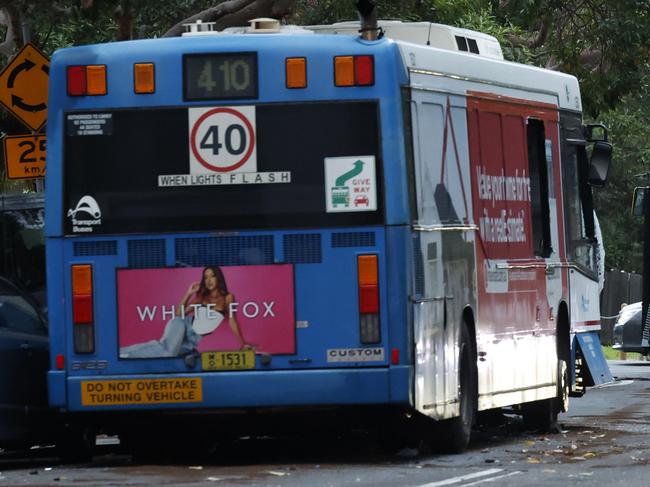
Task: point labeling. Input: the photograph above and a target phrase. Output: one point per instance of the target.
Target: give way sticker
(222, 140)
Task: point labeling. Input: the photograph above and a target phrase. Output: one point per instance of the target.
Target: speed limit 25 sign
(222, 140)
(25, 156)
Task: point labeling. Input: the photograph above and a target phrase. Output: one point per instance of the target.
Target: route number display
(220, 76)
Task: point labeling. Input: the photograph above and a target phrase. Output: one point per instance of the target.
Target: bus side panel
(443, 261)
(400, 319)
(56, 312)
(515, 325)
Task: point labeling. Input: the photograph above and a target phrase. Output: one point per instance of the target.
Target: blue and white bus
(282, 217)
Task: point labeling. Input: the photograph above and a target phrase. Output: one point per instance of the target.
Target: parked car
(25, 418)
(627, 330)
(22, 243)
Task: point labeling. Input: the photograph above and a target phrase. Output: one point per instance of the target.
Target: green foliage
(602, 42)
(622, 232)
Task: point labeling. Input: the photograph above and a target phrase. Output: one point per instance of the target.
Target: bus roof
(456, 65)
(426, 34)
(425, 48)
(445, 50)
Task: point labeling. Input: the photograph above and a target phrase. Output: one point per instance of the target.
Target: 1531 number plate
(240, 360)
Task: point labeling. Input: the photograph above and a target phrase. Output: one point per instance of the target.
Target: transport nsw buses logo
(85, 215)
(222, 150)
(350, 184)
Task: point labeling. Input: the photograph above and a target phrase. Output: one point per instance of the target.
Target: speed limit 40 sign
(222, 140)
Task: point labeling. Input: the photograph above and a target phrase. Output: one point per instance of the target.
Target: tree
(622, 233)
(603, 42)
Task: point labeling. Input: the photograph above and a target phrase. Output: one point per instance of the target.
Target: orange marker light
(82, 279)
(96, 80)
(296, 69)
(344, 71)
(367, 265)
(144, 78)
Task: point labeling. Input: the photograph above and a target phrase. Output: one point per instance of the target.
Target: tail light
(87, 80)
(76, 80)
(354, 70)
(83, 328)
(368, 279)
(364, 70)
(394, 356)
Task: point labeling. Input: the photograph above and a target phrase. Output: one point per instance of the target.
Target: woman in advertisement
(200, 312)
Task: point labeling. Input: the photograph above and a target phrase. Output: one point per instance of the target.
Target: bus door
(442, 262)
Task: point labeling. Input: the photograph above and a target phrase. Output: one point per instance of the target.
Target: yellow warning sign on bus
(141, 391)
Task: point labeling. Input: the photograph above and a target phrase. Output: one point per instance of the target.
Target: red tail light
(60, 362)
(76, 80)
(364, 70)
(368, 285)
(82, 309)
(83, 328)
(369, 299)
(394, 356)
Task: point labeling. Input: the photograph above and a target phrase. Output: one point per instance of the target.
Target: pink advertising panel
(170, 312)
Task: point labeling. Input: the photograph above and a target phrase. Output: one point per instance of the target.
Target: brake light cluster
(368, 279)
(91, 79)
(87, 80)
(354, 70)
(82, 308)
(348, 71)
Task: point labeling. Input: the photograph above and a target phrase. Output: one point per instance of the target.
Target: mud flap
(590, 367)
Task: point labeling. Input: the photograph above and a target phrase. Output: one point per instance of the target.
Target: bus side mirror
(595, 132)
(638, 200)
(601, 159)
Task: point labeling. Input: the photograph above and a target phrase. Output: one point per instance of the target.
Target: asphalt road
(603, 442)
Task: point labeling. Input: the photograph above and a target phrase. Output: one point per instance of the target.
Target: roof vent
(264, 26)
(199, 27)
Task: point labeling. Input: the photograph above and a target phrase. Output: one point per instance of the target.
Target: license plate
(241, 360)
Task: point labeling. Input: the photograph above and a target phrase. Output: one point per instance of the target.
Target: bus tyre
(456, 432)
(563, 386)
(76, 445)
(542, 415)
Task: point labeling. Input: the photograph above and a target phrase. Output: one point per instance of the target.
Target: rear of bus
(275, 164)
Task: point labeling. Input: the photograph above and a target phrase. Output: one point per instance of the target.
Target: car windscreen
(149, 170)
(23, 244)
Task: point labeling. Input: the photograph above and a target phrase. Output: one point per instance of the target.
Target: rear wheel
(456, 432)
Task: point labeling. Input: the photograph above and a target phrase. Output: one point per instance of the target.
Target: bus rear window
(129, 170)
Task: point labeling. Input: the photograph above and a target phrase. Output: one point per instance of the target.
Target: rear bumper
(250, 389)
